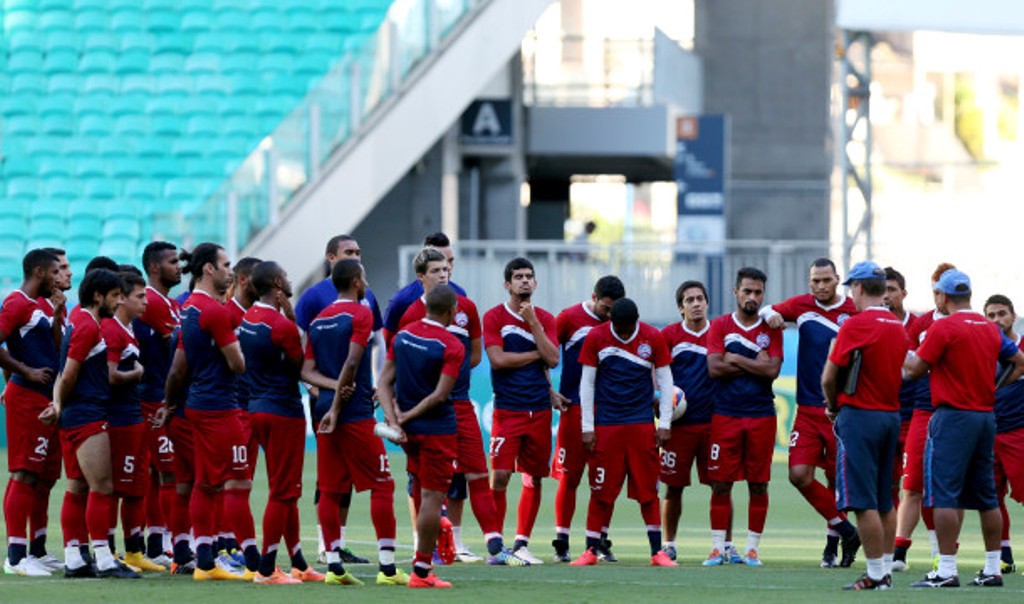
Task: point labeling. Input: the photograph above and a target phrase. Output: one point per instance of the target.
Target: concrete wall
(768, 66)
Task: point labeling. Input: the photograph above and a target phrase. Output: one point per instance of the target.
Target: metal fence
(566, 272)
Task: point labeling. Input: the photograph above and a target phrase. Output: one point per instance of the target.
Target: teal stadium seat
(57, 189)
(87, 227)
(185, 148)
(196, 20)
(55, 105)
(266, 21)
(163, 22)
(166, 167)
(78, 147)
(100, 189)
(203, 127)
(120, 210)
(91, 21)
(81, 5)
(61, 41)
(129, 168)
(60, 61)
(166, 125)
(98, 62)
(83, 248)
(113, 149)
(133, 62)
(29, 84)
(173, 42)
(55, 167)
(128, 104)
(92, 167)
(115, 228)
(172, 63)
(48, 209)
(28, 61)
(101, 41)
(94, 125)
(102, 84)
(120, 249)
(56, 20)
(88, 105)
(18, 167)
(65, 83)
(240, 64)
(195, 106)
(21, 125)
(141, 189)
(138, 41)
(19, 20)
(25, 41)
(125, 21)
(203, 64)
(40, 146)
(213, 85)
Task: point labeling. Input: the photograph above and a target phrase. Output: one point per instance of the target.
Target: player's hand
(345, 392)
(402, 437)
(159, 417)
(58, 299)
(589, 440)
(664, 435)
(286, 306)
(313, 391)
(776, 321)
(39, 375)
(400, 418)
(50, 414)
(559, 402)
(527, 313)
(831, 414)
(328, 422)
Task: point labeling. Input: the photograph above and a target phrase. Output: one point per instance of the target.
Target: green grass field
(791, 546)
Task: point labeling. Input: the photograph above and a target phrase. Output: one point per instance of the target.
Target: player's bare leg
(823, 501)
(671, 511)
(94, 460)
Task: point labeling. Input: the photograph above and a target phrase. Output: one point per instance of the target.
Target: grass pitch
(791, 549)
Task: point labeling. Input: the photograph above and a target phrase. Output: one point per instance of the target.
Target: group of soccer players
(159, 407)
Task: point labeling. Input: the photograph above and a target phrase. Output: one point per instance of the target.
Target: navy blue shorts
(959, 460)
(866, 443)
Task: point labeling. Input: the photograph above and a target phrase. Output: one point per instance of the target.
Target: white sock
(753, 541)
(1004, 543)
(669, 544)
(718, 540)
(887, 563)
(415, 541)
(992, 563)
(386, 556)
(104, 559)
(876, 569)
(342, 539)
(934, 540)
(947, 565)
(320, 547)
(168, 542)
(73, 557)
(333, 557)
(457, 538)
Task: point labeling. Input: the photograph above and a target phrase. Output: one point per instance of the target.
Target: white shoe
(524, 554)
(321, 557)
(467, 557)
(227, 567)
(899, 566)
(49, 562)
(28, 567)
(163, 560)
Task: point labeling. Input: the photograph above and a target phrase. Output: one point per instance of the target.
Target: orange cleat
(431, 580)
(446, 542)
(308, 576)
(277, 578)
(661, 559)
(587, 558)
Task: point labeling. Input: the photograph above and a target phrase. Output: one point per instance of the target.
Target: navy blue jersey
(84, 343)
(29, 338)
(909, 388)
(1009, 408)
(205, 329)
(241, 389)
(268, 340)
(690, 372)
(465, 326)
(153, 333)
(624, 385)
(329, 336)
(746, 395)
(320, 296)
(524, 388)
(572, 325)
(403, 299)
(122, 348)
(422, 352)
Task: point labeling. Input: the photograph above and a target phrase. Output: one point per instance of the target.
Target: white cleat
(899, 566)
(49, 562)
(467, 557)
(524, 554)
(28, 567)
(163, 560)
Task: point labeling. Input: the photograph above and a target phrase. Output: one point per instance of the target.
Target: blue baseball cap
(954, 283)
(864, 270)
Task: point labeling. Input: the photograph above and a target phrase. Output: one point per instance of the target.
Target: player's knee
(103, 486)
(166, 478)
(346, 500)
(758, 488)
(458, 489)
(801, 476)
(240, 485)
(183, 488)
(499, 479)
(29, 478)
(673, 493)
(77, 486)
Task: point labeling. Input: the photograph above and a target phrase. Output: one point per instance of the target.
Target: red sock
(903, 542)
(168, 496)
(821, 499)
(98, 510)
(291, 527)
(218, 514)
(651, 513)
(39, 516)
(721, 511)
(482, 501)
(72, 518)
(565, 500)
(928, 516)
(275, 517)
(154, 513)
(236, 508)
(757, 512)
(328, 512)
(17, 508)
(200, 510)
(382, 512)
(500, 507)
(529, 505)
(133, 517)
(181, 522)
(598, 515)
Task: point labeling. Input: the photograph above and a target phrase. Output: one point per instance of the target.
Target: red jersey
(236, 312)
(572, 325)
(465, 326)
(883, 343)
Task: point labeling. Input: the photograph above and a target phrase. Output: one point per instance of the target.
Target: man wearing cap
(864, 406)
(961, 351)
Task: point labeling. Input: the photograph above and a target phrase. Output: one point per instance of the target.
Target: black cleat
(604, 552)
(933, 579)
(86, 571)
(865, 582)
(348, 557)
(850, 548)
(987, 580)
(121, 571)
(829, 559)
(561, 550)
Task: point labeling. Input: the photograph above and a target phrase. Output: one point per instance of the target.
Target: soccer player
(166, 508)
(348, 452)
(82, 406)
(961, 351)
(690, 441)
(911, 509)
(1009, 445)
(745, 354)
(616, 391)
(311, 302)
(278, 422)
(572, 325)
(421, 369)
(408, 295)
(432, 270)
(864, 404)
(209, 358)
(818, 315)
(895, 293)
(33, 452)
(521, 344)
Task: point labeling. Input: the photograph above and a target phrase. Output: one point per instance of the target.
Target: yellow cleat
(346, 579)
(399, 578)
(249, 575)
(217, 574)
(137, 560)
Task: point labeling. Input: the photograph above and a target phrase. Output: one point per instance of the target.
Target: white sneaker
(321, 557)
(28, 567)
(163, 560)
(524, 554)
(49, 562)
(227, 567)
(899, 566)
(467, 556)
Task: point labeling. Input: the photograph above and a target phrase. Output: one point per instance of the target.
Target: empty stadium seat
(60, 61)
(91, 167)
(16, 167)
(53, 167)
(48, 209)
(57, 189)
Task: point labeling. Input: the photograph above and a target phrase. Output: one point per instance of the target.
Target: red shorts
(897, 460)
(71, 439)
(351, 455)
(521, 441)
(32, 446)
(129, 460)
(431, 458)
(741, 448)
(812, 442)
(253, 447)
(221, 449)
(629, 450)
(913, 452)
(570, 456)
(284, 441)
(689, 444)
(179, 430)
(1009, 466)
(471, 456)
(156, 440)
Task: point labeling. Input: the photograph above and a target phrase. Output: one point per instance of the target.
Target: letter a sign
(487, 122)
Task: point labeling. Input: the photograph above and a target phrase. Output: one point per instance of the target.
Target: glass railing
(336, 106)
